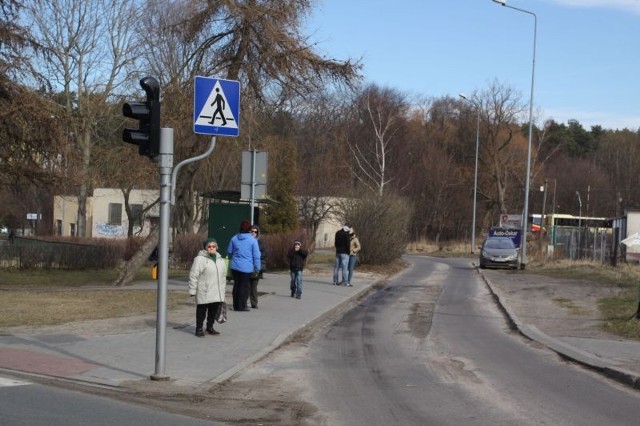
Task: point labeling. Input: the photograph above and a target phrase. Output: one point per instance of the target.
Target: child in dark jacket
(297, 256)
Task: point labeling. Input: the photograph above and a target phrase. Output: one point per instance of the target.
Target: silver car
(498, 252)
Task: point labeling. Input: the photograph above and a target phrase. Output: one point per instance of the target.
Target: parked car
(498, 252)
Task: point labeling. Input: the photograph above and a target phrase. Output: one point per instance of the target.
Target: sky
(587, 56)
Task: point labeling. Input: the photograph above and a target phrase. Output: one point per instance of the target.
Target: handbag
(221, 315)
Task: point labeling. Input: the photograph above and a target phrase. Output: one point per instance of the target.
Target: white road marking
(6, 382)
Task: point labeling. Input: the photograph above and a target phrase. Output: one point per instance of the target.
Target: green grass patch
(619, 314)
(569, 305)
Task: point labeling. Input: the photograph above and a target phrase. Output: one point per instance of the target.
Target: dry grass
(618, 312)
(48, 298)
(51, 297)
(443, 249)
(32, 308)
(570, 306)
(623, 275)
(16, 278)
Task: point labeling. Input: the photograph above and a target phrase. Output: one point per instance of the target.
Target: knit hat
(346, 228)
(209, 241)
(296, 242)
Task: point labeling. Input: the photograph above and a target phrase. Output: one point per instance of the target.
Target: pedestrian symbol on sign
(216, 110)
(220, 106)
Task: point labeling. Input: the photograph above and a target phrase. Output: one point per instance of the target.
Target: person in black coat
(297, 256)
(255, 277)
(342, 243)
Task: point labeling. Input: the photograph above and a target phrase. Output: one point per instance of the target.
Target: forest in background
(66, 67)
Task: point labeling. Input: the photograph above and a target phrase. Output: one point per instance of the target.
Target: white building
(106, 216)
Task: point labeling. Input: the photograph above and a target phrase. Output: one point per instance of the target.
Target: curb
(563, 349)
(288, 337)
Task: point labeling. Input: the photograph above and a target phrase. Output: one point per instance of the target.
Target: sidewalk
(115, 357)
(558, 313)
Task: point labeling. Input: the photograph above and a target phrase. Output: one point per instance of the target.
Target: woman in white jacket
(207, 282)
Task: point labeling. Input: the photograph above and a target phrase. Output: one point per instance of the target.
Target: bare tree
(259, 43)
(380, 113)
(503, 149)
(88, 44)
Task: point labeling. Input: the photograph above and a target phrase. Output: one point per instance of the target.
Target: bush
(74, 254)
(185, 248)
(381, 224)
(278, 245)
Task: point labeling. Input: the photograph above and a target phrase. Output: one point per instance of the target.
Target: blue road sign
(216, 107)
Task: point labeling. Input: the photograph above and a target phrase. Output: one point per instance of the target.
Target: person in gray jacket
(207, 283)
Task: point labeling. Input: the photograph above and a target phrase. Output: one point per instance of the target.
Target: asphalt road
(26, 403)
(433, 348)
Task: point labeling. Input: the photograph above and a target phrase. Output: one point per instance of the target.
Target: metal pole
(475, 174)
(553, 213)
(165, 164)
(475, 185)
(174, 176)
(579, 226)
(253, 181)
(544, 204)
(525, 213)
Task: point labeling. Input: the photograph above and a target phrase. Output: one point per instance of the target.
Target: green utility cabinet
(224, 222)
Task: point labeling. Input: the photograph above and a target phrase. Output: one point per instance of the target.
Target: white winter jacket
(208, 278)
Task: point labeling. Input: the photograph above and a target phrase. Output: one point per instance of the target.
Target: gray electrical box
(256, 176)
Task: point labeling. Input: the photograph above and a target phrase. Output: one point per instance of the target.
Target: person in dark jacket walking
(342, 243)
(256, 276)
(297, 256)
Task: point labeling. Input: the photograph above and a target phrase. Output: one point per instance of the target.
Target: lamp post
(579, 225)
(525, 212)
(475, 175)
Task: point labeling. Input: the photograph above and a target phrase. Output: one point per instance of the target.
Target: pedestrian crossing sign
(216, 106)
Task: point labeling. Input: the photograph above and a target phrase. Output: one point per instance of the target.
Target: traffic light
(147, 135)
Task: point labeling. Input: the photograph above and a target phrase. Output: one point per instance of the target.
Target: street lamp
(525, 213)
(579, 225)
(475, 175)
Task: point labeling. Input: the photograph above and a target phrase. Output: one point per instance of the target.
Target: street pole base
(522, 266)
(159, 377)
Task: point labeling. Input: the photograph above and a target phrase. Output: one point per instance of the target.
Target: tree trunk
(130, 268)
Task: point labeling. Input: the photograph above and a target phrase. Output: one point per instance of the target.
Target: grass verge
(53, 297)
(618, 313)
(16, 279)
(33, 308)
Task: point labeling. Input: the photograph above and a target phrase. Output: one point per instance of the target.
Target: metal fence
(580, 243)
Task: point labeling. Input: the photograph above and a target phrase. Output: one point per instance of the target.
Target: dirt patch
(557, 306)
(266, 401)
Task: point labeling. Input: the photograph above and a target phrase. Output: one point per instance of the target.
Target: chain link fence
(580, 243)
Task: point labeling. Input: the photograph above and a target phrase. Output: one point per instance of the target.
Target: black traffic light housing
(147, 135)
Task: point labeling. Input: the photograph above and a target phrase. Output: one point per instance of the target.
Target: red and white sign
(511, 221)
